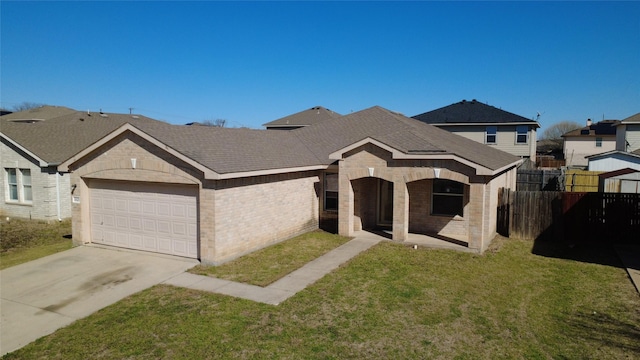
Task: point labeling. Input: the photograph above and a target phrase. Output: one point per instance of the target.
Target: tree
(26, 105)
(215, 123)
(556, 131)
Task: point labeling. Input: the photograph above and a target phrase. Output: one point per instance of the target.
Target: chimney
(588, 122)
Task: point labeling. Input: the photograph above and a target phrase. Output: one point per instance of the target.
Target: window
(491, 134)
(447, 198)
(598, 142)
(331, 192)
(522, 134)
(19, 185)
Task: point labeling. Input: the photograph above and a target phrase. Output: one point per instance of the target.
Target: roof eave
(241, 174)
(41, 162)
(535, 123)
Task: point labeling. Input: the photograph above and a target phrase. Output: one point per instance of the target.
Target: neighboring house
(33, 143)
(614, 160)
(595, 138)
(216, 193)
(487, 125)
(628, 134)
(315, 115)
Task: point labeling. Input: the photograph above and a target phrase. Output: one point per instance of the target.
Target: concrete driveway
(44, 295)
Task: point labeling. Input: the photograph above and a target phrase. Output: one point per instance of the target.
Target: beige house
(215, 194)
(628, 134)
(487, 125)
(33, 143)
(595, 138)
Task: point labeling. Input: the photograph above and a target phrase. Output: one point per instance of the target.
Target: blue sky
(253, 62)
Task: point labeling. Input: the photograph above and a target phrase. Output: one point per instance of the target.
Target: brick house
(217, 193)
(33, 143)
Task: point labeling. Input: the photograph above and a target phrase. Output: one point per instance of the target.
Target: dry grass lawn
(391, 302)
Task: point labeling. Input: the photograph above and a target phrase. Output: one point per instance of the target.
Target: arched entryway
(373, 204)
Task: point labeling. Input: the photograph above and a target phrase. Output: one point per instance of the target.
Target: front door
(385, 203)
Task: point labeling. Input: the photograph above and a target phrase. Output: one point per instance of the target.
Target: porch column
(476, 215)
(345, 203)
(400, 209)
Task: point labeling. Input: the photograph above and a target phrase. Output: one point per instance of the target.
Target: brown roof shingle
(315, 115)
(58, 138)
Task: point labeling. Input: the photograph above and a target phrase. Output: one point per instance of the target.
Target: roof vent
(135, 117)
(103, 115)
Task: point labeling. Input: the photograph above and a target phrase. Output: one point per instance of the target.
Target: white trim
(536, 124)
(397, 154)
(267, 172)
(41, 162)
(58, 211)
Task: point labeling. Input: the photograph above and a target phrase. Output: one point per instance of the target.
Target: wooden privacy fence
(574, 217)
(537, 180)
(581, 180)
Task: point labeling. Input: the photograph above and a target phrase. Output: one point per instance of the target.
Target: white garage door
(145, 216)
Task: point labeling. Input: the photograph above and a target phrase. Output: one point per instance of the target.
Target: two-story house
(595, 138)
(488, 125)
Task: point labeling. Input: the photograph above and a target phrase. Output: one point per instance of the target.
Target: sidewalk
(630, 257)
(289, 285)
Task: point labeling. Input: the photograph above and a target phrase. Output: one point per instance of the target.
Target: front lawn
(391, 302)
(274, 262)
(25, 240)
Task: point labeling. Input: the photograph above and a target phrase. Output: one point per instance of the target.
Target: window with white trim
(522, 134)
(331, 192)
(491, 135)
(598, 142)
(447, 198)
(18, 185)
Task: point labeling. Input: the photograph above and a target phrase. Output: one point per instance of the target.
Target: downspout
(58, 195)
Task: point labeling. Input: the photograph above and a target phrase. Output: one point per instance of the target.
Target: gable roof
(472, 113)
(226, 152)
(601, 128)
(315, 115)
(408, 136)
(632, 119)
(57, 138)
(606, 154)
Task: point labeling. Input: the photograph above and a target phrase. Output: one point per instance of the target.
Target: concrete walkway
(630, 257)
(289, 285)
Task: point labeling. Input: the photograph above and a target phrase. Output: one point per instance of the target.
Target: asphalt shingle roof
(229, 150)
(308, 117)
(58, 138)
(400, 132)
(39, 113)
(471, 112)
(605, 127)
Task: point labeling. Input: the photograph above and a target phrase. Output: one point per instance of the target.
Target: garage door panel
(108, 220)
(135, 207)
(145, 216)
(135, 224)
(164, 227)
